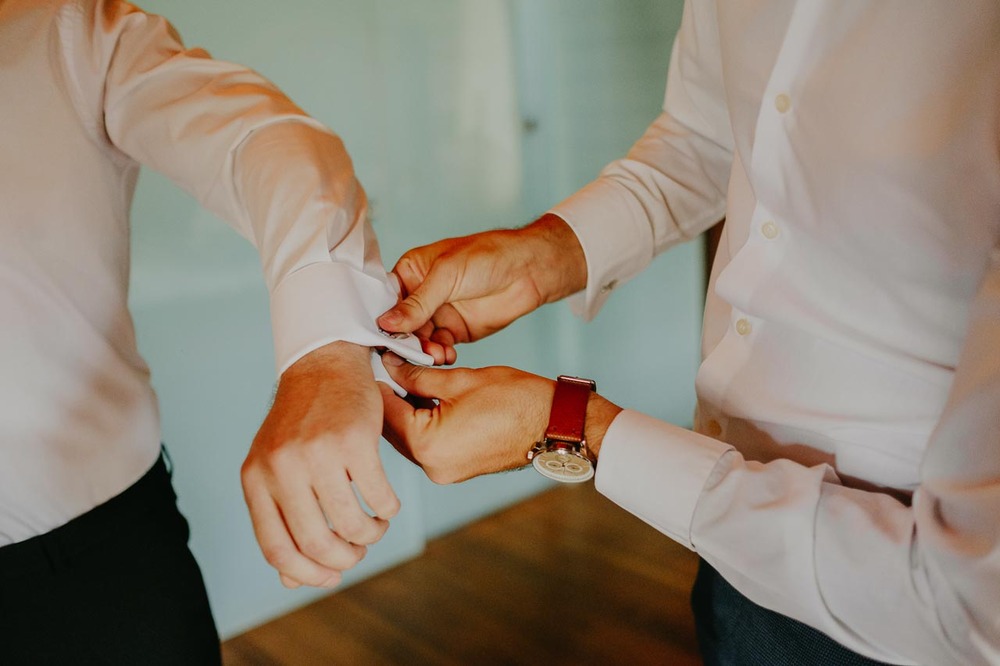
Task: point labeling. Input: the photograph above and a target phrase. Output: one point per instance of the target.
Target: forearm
(601, 412)
(559, 264)
(344, 359)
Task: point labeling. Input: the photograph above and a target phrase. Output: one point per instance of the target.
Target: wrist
(558, 261)
(578, 420)
(340, 356)
(600, 413)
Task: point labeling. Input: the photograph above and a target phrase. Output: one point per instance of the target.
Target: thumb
(417, 379)
(398, 421)
(420, 305)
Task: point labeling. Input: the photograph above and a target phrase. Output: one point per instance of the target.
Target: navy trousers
(118, 585)
(734, 631)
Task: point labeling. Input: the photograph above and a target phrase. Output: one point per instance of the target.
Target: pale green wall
(430, 97)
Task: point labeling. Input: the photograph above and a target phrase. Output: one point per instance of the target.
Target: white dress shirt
(89, 90)
(851, 347)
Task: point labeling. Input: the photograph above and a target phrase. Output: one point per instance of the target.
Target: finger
(395, 283)
(371, 482)
(344, 513)
(446, 340)
(443, 337)
(418, 379)
(435, 350)
(279, 549)
(449, 317)
(425, 331)
(289, 582)
(419, 306)
(397, 419)
(310, 531)
(409, 270)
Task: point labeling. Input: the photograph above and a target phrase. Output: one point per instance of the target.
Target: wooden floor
(563, 578)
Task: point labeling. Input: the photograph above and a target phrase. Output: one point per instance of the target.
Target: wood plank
(565, 577)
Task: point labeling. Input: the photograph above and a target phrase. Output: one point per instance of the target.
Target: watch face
(563, 466)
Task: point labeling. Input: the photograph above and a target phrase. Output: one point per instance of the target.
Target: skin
(460, 290)
(319, 441)
(320, 435)
(463, 289)
(485, 419)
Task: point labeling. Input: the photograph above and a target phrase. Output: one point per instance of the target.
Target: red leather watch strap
(569, 409)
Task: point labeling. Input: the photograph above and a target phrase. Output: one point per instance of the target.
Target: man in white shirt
(844, 469)
(94, 565)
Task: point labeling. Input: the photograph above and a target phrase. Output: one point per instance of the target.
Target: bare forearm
(600, 413)
(560, 266)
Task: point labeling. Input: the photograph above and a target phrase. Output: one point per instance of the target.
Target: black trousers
(118, 585)
(734, 631)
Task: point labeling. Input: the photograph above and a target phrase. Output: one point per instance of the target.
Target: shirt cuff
(656, 471)
(331, 302)
(617, 241)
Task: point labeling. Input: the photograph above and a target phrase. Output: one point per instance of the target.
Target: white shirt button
(769, 229)
(743, 327)
(782, 103)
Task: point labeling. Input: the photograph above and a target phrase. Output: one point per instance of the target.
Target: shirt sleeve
(232, 140)
(671, 186)
(907, 584)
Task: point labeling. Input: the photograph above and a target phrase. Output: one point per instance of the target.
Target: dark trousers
(734, 631)
(117, 585)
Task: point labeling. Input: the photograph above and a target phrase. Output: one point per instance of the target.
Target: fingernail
(392, 359)
(392, 317)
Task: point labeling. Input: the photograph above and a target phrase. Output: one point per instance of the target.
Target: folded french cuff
(657, 471)
(617, 241)
(330, 302)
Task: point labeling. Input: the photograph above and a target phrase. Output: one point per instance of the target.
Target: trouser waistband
(50, 551)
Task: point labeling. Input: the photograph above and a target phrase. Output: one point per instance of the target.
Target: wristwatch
(562, 454)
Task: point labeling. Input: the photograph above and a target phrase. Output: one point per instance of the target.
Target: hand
(485, 421)
(320, 435)
(463, 289)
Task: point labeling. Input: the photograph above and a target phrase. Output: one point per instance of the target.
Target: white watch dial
(563, 466)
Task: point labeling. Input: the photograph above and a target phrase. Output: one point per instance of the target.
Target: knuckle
(279, 557)
(333, 580)
(439, 477)
(417, 303)
(353, 434)
(354, 530)
(386, 506)
(316, 548)
(368, 538)
(341, 559)
(274, 460)
(248, 474)
(408, 266)
(339, 502)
